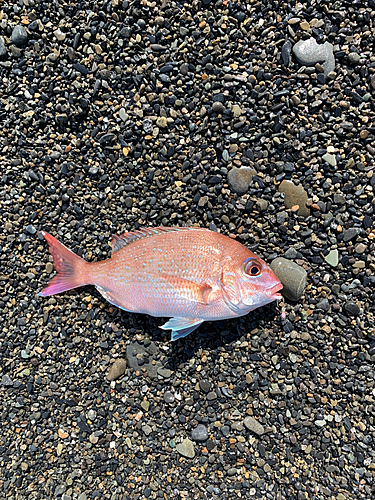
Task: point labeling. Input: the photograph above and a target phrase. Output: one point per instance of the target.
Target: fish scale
(188, 274)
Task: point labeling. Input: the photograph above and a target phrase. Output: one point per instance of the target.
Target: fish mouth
(272, 292)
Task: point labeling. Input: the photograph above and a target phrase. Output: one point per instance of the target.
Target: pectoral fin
(181, 326)
(187, 289)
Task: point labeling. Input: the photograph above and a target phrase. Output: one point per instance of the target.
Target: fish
(187, 274)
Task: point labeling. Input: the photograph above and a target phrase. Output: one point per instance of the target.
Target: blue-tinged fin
(181, 326)
(121, 240)
(109, 295)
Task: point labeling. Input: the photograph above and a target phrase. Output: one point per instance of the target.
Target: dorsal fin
(121, 240)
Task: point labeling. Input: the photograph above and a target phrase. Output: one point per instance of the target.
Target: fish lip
(272, 292)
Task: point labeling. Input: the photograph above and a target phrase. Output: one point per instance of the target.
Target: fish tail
(71, 269)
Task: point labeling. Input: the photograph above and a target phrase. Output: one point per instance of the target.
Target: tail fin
(69, 266)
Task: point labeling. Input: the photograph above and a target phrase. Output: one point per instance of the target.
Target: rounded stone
(254, 426)
(117, 369)
(19, 36)
(199, 433)
(186, 448)
(292, 276)
(240, 178)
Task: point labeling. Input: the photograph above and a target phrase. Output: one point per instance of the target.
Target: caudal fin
(71, 269)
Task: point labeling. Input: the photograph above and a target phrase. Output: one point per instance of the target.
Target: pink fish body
(191, 275)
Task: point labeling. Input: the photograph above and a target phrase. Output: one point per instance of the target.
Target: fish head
(248, 282)
(258, 284)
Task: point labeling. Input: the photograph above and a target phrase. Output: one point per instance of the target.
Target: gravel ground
(117, 115)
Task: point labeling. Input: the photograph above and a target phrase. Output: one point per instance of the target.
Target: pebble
(332, 258)
(186, 448)
(292, 276)
(309, 52)
(3, 50)
(19, 36)
(117, 369)
(199, 433)
(254, 425)
(294, 196)
(240, 178)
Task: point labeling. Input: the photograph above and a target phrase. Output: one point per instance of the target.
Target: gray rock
(285, 52)
(19, 36)
(169, 397)
(350, 234)
(323, 304)
(199, 433)
(309, 52)
(352, 308)
(292, 276)
(3, 50)
(240, 178)
(6, 381)
(117, 369)
(186, 448)
(254, 426)
(292, 253)
(354, 58)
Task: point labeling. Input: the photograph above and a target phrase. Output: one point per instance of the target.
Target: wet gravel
(118, 115)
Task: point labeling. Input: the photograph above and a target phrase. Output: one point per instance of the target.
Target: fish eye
(252, 268)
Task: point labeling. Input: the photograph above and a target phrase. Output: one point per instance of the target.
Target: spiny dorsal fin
(121, 240)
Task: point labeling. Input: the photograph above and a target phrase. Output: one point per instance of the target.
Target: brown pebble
(364, 134)
(117, 369)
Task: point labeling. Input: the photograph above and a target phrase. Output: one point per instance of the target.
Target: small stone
(236, 110)
(30, 229)
(292, 276)
(285, 52)
(59, 35)
(6, 381)
(323, 304)
(123, 115)
(262, 205)
(354, 58)
(352, 308)
(19, 36)
(164, 372)
(161, 122)
(304, 25)
(117, 369)
(240, 178)
(49, 267)
(3, 50)
(350, 234)
(360, 248)
(199, 433)
(169, 397)
(186, 448)
(294, 196)
(147, 430)
(254, 426)
(332, 258)
(218, 107)
(330, 159)
(205, 386)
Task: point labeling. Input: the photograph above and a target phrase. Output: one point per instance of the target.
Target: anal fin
(181, 327)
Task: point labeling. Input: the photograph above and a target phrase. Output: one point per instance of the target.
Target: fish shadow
(213, 335)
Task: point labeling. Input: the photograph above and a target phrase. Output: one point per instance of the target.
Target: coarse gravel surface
(117, 115)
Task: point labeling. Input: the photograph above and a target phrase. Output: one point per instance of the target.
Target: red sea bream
(190, 275)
